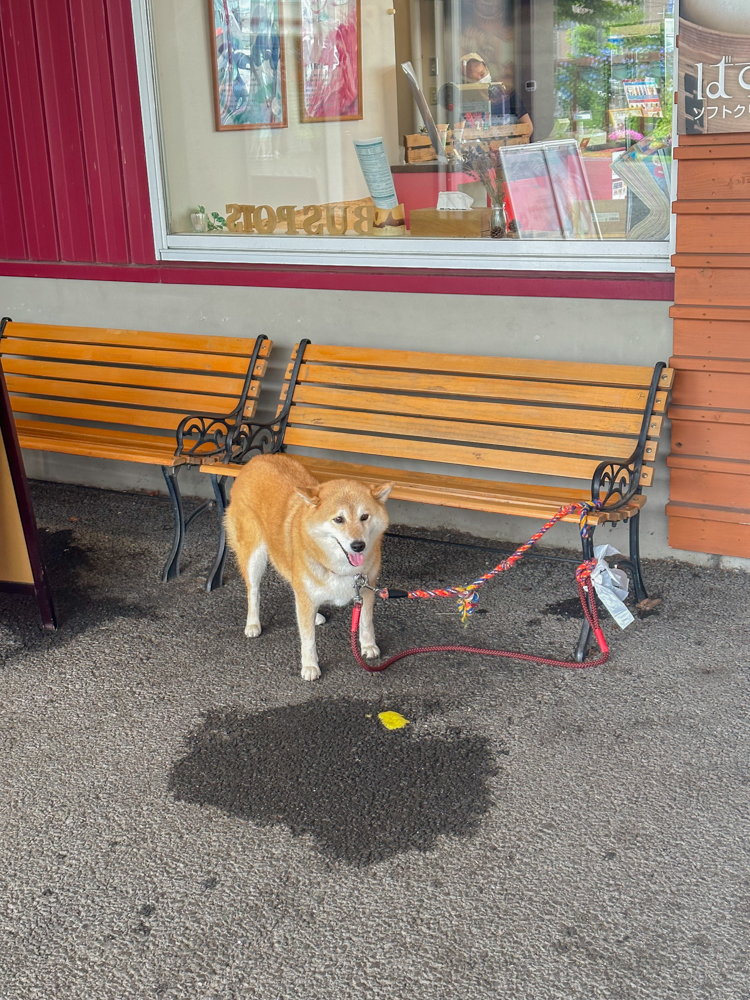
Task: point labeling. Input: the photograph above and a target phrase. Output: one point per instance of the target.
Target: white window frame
(607, 256)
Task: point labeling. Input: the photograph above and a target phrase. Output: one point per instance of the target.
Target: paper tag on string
(611, 585)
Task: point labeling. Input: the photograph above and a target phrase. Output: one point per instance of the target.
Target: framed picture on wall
(330, 61)
(247, 58)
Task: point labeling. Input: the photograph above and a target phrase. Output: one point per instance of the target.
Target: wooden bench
(166, 399)
(567, 423)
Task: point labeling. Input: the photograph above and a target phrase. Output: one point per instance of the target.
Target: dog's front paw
(370, 651)
(252, 631)
(310, 671)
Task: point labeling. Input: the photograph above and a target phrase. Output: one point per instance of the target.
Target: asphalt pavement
(183, 817)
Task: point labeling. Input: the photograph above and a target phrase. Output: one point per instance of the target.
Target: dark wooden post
(20, 556)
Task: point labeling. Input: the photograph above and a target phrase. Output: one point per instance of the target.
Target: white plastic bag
(611, 585)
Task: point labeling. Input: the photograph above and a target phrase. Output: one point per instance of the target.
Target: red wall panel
(99, 127)
(23, 83)
(700, 535)
(128, 109)
(73, 182)
(66, 152)
(710, 438)
(710, 460)
(12, 233)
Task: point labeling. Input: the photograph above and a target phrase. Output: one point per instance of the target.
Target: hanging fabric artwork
(331, 61)
(247, 45)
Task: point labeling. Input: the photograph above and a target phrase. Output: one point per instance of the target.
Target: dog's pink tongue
(356, 558)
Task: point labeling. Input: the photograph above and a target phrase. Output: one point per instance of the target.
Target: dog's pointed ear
(381, 491)
(310, 494)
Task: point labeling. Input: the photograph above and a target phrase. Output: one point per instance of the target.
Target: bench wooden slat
(428, 451)
(134, 338)
(150, 398)
(525, 492)
(234, 365)
(420, 428)
(74, 411)
(490, 413)
(147, 377)
(583, 373)
(97, 442)
(520, 499)
(597, 397)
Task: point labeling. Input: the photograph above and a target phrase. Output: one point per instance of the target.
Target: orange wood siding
(713, 233)
(710, 339)
(709, 508)
(713, 180)
(709, 438)
(697, 534)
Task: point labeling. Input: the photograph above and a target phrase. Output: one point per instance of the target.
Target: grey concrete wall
(559, 329)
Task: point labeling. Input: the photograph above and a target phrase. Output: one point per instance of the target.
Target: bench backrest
(129, 378)
(545, 417)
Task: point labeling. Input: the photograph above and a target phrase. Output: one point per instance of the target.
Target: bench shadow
(330, 770)
(80, 603)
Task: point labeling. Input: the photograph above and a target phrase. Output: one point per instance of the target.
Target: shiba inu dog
(319, 536)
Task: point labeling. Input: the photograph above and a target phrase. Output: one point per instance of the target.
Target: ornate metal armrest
(232, 437)
(247, 438)
(617, 478)
(198, 430)
(208, 435)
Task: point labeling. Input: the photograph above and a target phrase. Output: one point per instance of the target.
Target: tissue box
(433, 222)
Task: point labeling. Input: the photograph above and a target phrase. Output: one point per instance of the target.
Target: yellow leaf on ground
(392, 720)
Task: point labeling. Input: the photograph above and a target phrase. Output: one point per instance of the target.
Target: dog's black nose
(358, 546)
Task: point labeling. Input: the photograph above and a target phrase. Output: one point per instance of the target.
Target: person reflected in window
(503, 103)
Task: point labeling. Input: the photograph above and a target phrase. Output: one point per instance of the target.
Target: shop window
(475, 131)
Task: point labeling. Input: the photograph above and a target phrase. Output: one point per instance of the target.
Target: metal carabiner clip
(360, 581)
(363, 583)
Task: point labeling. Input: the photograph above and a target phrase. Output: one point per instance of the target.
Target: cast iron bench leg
(584, 637)
(172, 566)
(633, 564)
(216, 574)
(635, 559)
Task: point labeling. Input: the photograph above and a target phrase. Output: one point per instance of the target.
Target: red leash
(588, 603)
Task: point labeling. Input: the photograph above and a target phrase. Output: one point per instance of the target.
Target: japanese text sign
(714, 81)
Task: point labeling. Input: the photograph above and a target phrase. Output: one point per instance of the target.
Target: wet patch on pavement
(330, 770)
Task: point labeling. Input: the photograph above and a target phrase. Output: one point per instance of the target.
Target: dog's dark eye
(364, 517)
(338, 520)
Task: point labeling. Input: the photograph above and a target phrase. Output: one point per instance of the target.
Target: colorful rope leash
(468, 598)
